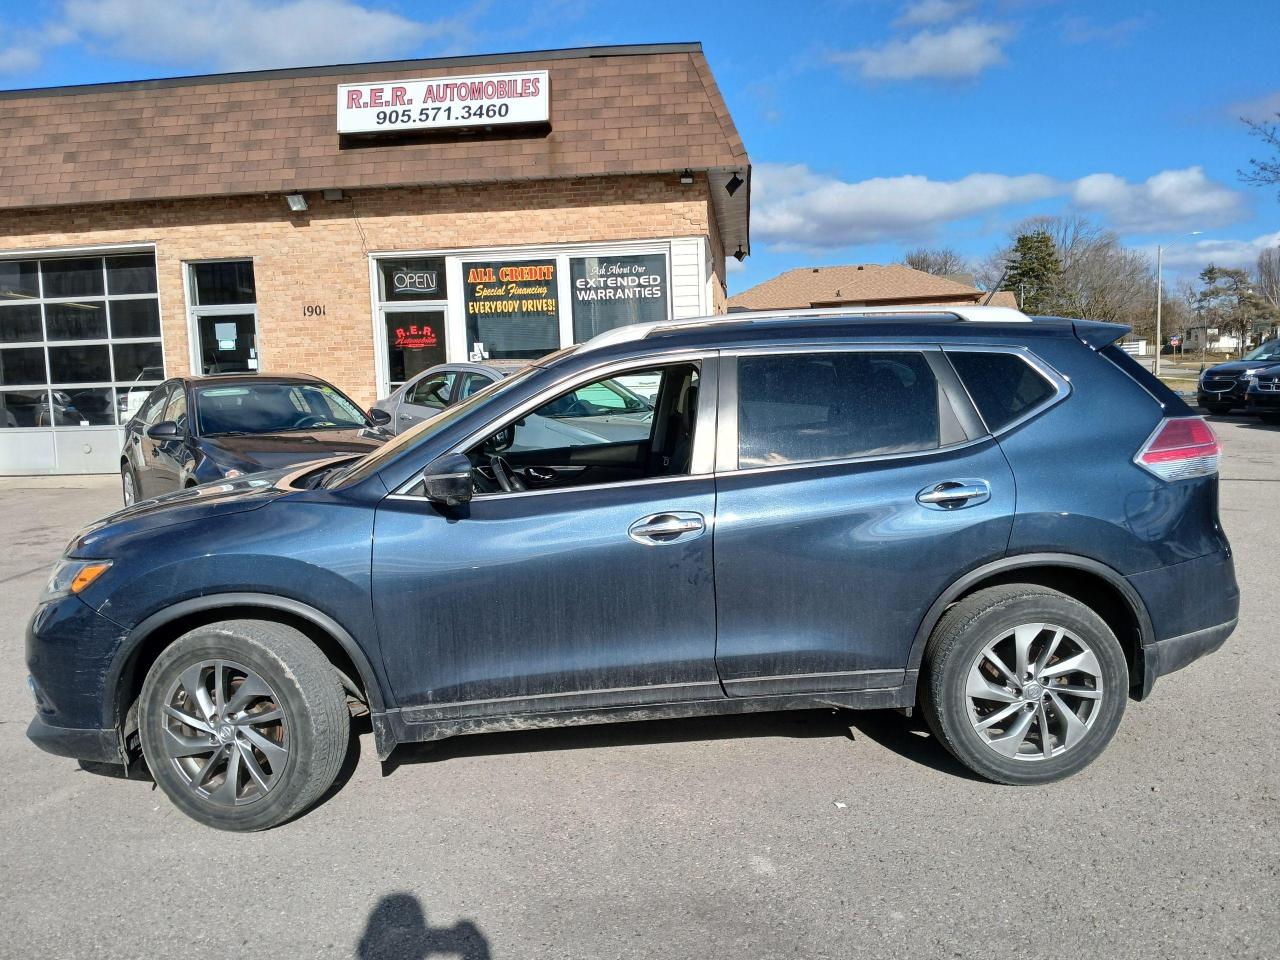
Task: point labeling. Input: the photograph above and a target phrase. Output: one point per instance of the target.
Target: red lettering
(353, 100)
(397, 96)
(534, 84)
(375, 98)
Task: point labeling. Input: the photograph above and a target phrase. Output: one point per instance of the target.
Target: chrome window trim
(703, 452)
(1061, 384)
(550, 490)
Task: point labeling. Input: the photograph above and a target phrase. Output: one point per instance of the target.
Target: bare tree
(939, 261)
(1100, 279)
(1269, 276)
(1264, 172)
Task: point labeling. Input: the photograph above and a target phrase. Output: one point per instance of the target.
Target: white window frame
(195, 310)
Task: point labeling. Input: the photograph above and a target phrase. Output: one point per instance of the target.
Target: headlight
(72, 576)
(1252, 381)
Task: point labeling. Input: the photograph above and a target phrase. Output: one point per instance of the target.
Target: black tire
(127, 477)
(953, 652)
(1218, 409)
(303, 685)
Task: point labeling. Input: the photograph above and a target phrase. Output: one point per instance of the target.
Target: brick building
(358, 222)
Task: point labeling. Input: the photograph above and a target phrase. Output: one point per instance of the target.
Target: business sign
(611, 292)
(512, 307)
(442, 103)
(418, 278)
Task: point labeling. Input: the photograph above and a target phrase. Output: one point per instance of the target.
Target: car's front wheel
(1023, 684)
(244, 724)
(128, 485)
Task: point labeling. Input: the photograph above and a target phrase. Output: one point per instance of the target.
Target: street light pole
(1159, 299)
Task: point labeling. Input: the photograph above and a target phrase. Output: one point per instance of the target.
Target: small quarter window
(1003, 385)
(432, 391)
(801, 408)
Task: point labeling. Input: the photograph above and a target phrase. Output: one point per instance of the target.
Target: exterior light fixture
(331, 195)
(739, 254)
(686, 177)
(297, 202)
(734, 183)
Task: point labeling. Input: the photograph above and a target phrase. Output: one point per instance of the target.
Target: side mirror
(447, 480)
(379, 417)
(164, 430)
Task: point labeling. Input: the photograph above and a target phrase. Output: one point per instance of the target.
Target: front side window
(177, 407)
(803, 408)
(472, 383)
(1004, 386)
(432, 391)
(599, 432)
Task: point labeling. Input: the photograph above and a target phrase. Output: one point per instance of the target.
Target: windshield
(421, 431)
(274, 408)
(1267, 351)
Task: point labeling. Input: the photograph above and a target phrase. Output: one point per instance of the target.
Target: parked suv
(1263, 395)
(1004, 521)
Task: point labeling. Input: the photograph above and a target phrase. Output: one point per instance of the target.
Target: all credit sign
(443, 102)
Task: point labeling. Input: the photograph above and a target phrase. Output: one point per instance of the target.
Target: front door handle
(666, 528)
(954, 494)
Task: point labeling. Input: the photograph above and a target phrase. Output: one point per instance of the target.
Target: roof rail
(970, 313)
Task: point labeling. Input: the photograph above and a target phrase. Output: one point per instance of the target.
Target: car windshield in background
(274, 408)
(1267, 351)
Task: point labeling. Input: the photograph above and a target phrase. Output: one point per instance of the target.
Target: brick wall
(320, 257)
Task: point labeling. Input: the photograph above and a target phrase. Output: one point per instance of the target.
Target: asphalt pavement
(807, 834)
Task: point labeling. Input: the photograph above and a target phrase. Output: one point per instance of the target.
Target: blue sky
(872, 126)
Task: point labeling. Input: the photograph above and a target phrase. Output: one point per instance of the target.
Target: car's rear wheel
(128, 485)
(243, 724)
(1024, 684)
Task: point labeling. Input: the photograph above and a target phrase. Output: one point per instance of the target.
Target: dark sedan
(1222, 387)
(193, 430)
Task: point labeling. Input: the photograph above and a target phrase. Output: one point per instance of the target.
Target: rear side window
(798, 408)
(1003, 385)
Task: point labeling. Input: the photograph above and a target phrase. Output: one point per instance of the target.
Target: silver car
(430, 392)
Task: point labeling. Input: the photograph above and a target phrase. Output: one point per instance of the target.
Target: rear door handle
(954, 494)
(666, 527)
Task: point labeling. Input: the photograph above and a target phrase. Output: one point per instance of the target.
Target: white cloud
(1171, 200)
(928, 12)
(958, 52)
(1224, 253)
(795, 207)
(234, 34)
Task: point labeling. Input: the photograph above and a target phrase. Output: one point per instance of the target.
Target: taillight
(1179, 449)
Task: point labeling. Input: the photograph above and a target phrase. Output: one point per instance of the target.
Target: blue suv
(1004, 521)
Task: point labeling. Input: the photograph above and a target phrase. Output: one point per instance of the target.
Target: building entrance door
(228, 342)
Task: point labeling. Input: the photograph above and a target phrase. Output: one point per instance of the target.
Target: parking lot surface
(807, 834)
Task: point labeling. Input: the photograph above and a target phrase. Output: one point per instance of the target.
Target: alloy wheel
(1034, 691)
(225, 732)
(130, 494)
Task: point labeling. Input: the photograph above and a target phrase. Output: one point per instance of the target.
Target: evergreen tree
(1035, 272)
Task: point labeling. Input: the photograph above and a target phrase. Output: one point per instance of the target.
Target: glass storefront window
(76, 321)
(415, 341)
(513, 310)
(414, 278)
(613, 291)
(223, 282)
(20, 366)
(79, 337)
(20, 322)
(72, 277)
(19, 280)
(23, 408)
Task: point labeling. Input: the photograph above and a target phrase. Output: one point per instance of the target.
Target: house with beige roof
(862, 285)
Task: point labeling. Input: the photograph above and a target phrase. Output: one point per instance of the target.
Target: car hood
(268, 451)
(194, 503)
(1237, 367)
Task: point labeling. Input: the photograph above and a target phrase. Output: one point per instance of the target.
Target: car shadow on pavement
(397, 929)
(799, 724)
(908, 737)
